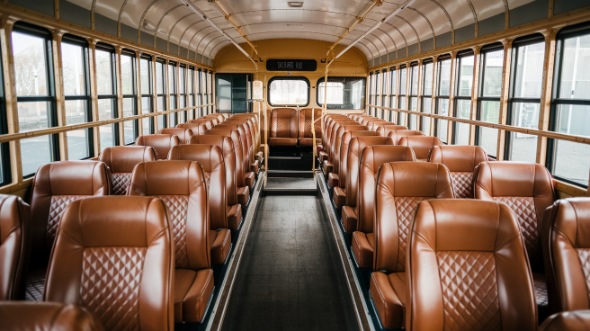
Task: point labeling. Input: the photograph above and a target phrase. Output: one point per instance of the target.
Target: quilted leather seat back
(421, 145)
(356, 147)
(305, 132)
(566, 248)
(56, 184)
(527, 188)
(461, 162)
(121, 160)
(181, 186)
(335, 147)
(396, 135)
(238, 152)
(211, 160)
(195, 128)
(400, 187)
(183, 134)
(284, 123)
(467, 269)
(19, 315)
(372, 158)
(161, 143)
(345, 148)
(384, 129)
(113, 257)
(208, 123)
(229, 162)
(14, 221)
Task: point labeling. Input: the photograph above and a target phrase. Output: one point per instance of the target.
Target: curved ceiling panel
(188, 22)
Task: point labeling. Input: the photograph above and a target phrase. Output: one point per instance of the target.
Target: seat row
(380, 197)
(177, 182)
(293, 127)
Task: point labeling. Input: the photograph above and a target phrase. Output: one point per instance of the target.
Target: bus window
(427, 95)
(75, 73)
(35, 94)
(342, 92)
(288, 91)
(161, 93)
(444, 91)
(492, 65)
(525, 97)
(571, 106)
(464, 87)
(145, 75)
(107, 96)
(129, 96)
(413, 97)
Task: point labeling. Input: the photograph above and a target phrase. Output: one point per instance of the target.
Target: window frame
(299, 78)
(114, 97)
(457, 97)
(437, 91)
(132, 96)
(344, 81)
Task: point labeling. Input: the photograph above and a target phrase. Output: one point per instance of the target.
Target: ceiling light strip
(208, 20)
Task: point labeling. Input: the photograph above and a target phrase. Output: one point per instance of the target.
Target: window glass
(489, 103)
(342, 92)
(284, 91)
(35, 95)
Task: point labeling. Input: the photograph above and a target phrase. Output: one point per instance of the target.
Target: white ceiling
(327, 20)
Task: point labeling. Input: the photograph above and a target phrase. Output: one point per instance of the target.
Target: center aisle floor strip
(291, 274)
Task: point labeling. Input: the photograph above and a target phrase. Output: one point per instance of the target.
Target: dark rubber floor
(290, 278)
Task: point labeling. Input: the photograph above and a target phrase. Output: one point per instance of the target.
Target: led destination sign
(291, 65)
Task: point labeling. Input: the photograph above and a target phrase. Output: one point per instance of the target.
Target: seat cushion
(309, 141)
(327, 167)
(363, 245)
(220, 242)
(323, 156)
(192, 293)
(349, 219)
(388, 293)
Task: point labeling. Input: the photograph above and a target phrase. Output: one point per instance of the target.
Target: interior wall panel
(492, 25)
(465, 33)
(105, 25)
(529, 13)
(72, 13)
(43, 7)
(563, 6)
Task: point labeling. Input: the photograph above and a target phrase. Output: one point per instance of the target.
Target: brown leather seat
(161, 143)
(255, 129)
(250, 163)
(467, 269)
(46, 316)
(385, 129)
(372, 158)
(208, 123)
(353, 159)
(332, 164)
(305, 134)
(339, 192)
(400, 187)
(283, 127)
(396, 135)
(461, 162)
(233, 208)
(329, 131)
(565, 238)
(14, 246)
(244, 178)
(196, 129)
(567, 321)
(421, 145)
(527, 188)
(184, 134)
(113, 256)
(181, 186)
(55, 186)
(121, 160)
(211, 160)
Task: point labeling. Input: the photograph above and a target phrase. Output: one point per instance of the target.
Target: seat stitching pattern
(176, 207)
(584, 256)
(469, 290)
(404, 207)
(461, 182)
(120, 182)
(57, 207)
(524, 209)
(111, 278)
